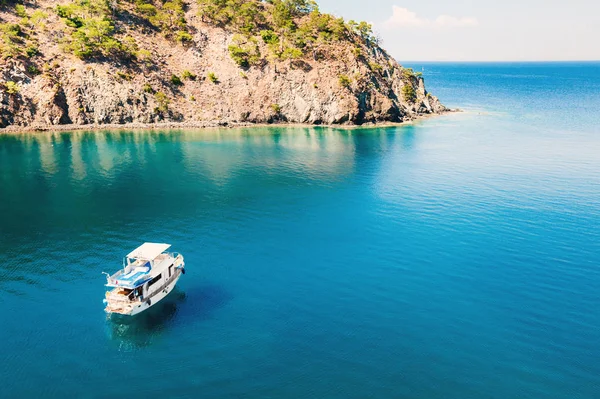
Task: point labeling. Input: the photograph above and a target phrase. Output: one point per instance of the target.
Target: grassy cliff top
(105, 30)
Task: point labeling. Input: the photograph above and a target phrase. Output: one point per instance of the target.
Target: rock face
(341, 88)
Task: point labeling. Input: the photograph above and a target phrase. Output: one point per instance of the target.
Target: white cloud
(404, 18)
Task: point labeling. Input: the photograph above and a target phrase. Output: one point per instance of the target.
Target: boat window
(154, 280)
(170, 271)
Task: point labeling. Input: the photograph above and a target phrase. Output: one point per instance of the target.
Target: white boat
(149, 273)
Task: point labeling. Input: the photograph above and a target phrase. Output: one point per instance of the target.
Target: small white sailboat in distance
(149, 274)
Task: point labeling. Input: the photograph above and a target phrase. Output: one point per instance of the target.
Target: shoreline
(10, 130)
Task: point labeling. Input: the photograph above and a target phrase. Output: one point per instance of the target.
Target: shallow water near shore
(457, 257)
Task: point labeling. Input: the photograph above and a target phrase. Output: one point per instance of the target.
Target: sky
(484, 30)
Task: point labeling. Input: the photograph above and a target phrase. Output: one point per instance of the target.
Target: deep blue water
(455, 258)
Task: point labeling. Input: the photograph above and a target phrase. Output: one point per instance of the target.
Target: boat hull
(153, 299)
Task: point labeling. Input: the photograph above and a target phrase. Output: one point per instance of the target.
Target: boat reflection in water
(145, 328)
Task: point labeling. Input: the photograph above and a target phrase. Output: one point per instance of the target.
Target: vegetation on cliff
(154, 58)
(292, 29)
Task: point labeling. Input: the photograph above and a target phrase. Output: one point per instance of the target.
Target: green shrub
(12, 87)
(20, 10)
(409, 93)
(32, 69)
(375, 67)
(242, 15)
(31, 51)
(239, 55)
(129, 47)
(292, 53)
(169, 17)
(94, 38)
(276, 108)
(269, 37)
(11, 42)
(11, 30)
(147, 88)
(176, 80)
(188, 75)
(408, 73)
(146, 10)
(364, 30)
(163, 101)
(183, 37)
(213, 78)
(37, 17)
(244, 51)
(344, 81)
(124, 76)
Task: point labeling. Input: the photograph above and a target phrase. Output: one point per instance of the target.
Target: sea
(457, 257)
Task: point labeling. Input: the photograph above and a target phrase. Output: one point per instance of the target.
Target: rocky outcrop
(341, 88)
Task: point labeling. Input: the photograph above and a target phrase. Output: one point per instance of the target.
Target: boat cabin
(148, 274)
(142, 269)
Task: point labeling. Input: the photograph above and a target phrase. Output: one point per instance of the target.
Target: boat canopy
(148, 251)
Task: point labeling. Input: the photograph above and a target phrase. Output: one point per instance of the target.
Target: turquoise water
(455, 258)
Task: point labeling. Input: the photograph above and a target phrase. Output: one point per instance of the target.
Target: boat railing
(116, 275)
(173, 255)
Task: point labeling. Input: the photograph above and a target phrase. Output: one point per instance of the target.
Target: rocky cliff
(109, 62)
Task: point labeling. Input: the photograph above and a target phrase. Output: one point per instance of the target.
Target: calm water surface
(455, 258)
